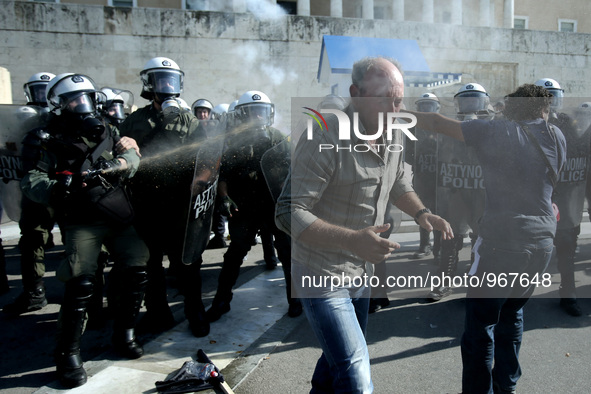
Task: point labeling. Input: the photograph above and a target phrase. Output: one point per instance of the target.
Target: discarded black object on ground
(197, 375)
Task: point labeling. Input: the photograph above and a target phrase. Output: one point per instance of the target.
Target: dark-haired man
(520, 157)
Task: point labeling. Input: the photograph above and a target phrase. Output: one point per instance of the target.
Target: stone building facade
(224, 54)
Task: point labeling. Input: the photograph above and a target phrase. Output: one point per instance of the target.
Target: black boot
(70, 370)
(195, 313)
(566, 244)
(568, 296)
(158, 317)
(126, 345)
(68, 361)
(448, 263)
(96, 315)
(217, 309)
(31, 299)
(127, 312)
(4, 288)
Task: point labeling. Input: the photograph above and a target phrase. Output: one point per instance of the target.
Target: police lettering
(574, 170)
(461, 176)
(205, 200)
(427, 163)
(10, 167)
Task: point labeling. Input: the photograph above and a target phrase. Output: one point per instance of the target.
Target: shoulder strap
(553, 173)
(106, 144)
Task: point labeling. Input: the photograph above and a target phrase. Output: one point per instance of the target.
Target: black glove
(228, 206)
(110, 165)
(102, 167)
(66, 183)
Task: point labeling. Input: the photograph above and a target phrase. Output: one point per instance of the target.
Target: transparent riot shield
(203, 194)
(275, 166)
(15, 122)
(575, 123)
(425, 168)
(460, 185)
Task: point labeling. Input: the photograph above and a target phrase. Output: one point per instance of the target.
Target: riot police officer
(247, 200)
(117, 105)
(569, 194)
(201, 108)
(37, 220)
(80, 171)
(168, 136)
(35, 88)
(460, 186)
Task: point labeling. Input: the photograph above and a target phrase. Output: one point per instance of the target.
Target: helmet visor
(116, 110)
(471, 102)
(582, 119)
(78, 102)
(558, 95)
(258, 114)
(428, 106)
(167, 82)
(81, 102)
(35, 93)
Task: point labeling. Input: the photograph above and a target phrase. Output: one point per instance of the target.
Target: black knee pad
(79, 289)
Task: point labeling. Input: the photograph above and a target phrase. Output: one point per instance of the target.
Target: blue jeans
(494, 316)
(339, 321)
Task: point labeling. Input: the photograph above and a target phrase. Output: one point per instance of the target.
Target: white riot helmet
(161, 76)
(554, 88)
(232, 107)
(471, 99)
(35, 88)
(231, 116)
(428, 102)
(183, 104)
(219, 110)
(76, 93)
(255, 107)
(202, 103)
(118, 103)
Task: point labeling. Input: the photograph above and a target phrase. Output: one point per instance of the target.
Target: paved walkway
(414, 346)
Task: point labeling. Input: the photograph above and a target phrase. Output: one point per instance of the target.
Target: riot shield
(460, 184)
(425, 168)
(203, 194)
(15, 122)
(569, 194)
(275, 166)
